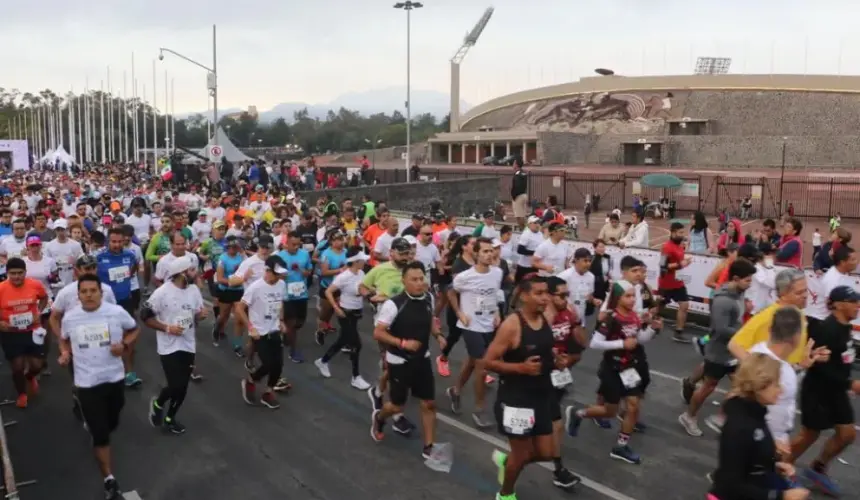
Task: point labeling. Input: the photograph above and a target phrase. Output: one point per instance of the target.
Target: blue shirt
(117, 270)
(334, 260)
(5, 230)
(231, 264)
(296, 282)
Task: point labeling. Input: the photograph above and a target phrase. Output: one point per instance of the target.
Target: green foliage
(342, 131)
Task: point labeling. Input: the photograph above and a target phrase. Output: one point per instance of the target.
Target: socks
(623, 439)
(398, 417)
(109, 478)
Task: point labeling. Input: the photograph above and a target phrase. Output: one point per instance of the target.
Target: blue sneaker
(625, 454)
(603, 423)
(822, 482)
(132, 380)
(572, 421)
(296, 356)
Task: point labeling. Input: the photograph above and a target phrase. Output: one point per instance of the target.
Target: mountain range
(367, 102)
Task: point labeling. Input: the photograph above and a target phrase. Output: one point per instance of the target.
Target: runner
(260, 312)
(404, 324)
(228, 296)
(331, 258)
(299, 266)
(178, 249)
(250, 271)
(213, 245)
(173, 310)
(460, 258)
(94, 337)
(522, 354)
(672, 289)
(63, 251)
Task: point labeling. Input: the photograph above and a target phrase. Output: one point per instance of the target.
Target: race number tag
(21, 321)
(308, 246)
(92, 336)
(39, 336)
(184, 320)
(296, 289)
(118, 273)
(630, 378)
(518, 421)
(849, 354)
(486, 305)
(273, 310)
(561, 378)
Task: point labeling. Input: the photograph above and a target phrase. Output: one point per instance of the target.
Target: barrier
(10, 486)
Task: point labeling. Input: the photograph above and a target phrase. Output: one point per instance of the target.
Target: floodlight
(713, 65)
(473, 35)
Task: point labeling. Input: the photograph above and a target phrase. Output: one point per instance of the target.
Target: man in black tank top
(522, 354)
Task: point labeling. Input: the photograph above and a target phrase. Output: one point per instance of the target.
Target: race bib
(296, 289)
(561, 378)
(273, 310)
(21, 321)
(849, 354)
(120, 273)
(39, 336)
(184, 320)
(630, 378)
(308, 246)
(93, 335)
(518, 421)
(486, 305)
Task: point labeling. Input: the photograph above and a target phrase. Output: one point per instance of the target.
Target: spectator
(612, 231)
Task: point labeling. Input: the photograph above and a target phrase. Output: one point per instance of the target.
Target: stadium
(712, 121)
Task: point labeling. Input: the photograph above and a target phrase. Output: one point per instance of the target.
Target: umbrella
(661, 181)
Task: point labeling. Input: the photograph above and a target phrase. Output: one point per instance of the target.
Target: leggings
(454, 332)
(177, 368)
(270, 350)
(348, 338)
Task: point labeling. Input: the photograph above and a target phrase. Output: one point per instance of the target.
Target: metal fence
(811, 196)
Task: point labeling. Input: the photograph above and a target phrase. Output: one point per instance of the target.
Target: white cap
(180, 265)
(291, 197)
(361, 256)
(497, 243)
(411, 239)
(534, 220)
(61, 224)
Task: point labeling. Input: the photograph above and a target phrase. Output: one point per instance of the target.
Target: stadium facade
(706, 120)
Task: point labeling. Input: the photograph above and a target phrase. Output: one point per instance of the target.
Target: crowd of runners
(87, 259)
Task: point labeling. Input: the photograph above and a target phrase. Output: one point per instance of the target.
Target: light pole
(373, 146)
(782, 177)
(408, 6)
(212, 77)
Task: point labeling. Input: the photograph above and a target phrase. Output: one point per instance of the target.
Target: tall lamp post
(408, 6)
(212, 73)
(781, 177)
(373, 145)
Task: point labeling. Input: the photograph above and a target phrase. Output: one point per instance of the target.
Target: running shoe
(282, 385)
(456, 407)
(482, 421)
(249, 365)
(173, 426)
(442, 367)
(22, 401)
(237, 351)
(625, 454)
(323, 368)
(296, 356)
(112, 491)
(572, 421)
(822, 482)
(687, 390)
(427, 452)
(196, 377)
(403, 426)
(489, 379)
(564, 479)
(710, 477)
(603, 423)
(132, 380)
(156, 414)
(375, 400)
(680, 338)
(377, 428)
(249, 392)
(216, 337)
(500, 459)
(319, 337)
(690, 425)
(359, 383)
(269, 401)
(715, 422)
(512, 496)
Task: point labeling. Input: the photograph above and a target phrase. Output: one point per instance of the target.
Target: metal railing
(10, 487)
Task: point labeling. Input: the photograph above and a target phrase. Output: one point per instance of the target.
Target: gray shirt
(727, 311)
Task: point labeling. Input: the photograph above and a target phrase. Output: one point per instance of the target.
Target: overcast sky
(272, 51)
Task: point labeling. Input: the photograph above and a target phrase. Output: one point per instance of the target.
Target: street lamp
(373, 146)
(211, 77)
(782, 178)
(408, 6)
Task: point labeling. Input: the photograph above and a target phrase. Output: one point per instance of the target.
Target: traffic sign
(215, 152)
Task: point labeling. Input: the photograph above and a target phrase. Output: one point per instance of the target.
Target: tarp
(228, 150)
(58, 155)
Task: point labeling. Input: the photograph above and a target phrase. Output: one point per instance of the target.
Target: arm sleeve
(721, 317)
(150, 249)
(522, 250)
(599, 342)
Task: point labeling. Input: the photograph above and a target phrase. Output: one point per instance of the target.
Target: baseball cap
(266, 240)
(86, 261)
(202, 212)
(489, 214)
(61, 224)
(401, 245)
(276, 265)
(497, 243)
(411, 239)
(232, 240)
(33, 240)
(534, 219)
(844, 294)
(555, 226)
(219, 224)
(180, 265)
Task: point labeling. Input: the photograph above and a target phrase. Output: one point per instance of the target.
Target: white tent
(228, 150)
(58, 155)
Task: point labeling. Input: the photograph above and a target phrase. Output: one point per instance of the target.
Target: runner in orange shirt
(21, 332)
(372, 233)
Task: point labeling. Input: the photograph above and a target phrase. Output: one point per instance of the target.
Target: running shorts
(824, 410)
(613, 389)
(541, 405)
(17, 344)
(677, 295)
(230, 296)
(718, 371)
(101, 406)
(297, 311)
(415, 376)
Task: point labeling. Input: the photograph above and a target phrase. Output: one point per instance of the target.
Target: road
(317, 445)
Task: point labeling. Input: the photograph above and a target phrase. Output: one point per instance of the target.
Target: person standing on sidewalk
(520, 193)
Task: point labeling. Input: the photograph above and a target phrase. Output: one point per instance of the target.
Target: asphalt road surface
(318, 446)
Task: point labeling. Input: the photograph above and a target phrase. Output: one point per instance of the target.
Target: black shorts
(415, 376)
(557, 396)
(17, 344)
(135, 299)
(541, 406)
(230, 296)
(717, 371)
(296, 311)
(128, 305)
(101, 406)
(613, 389)
(677, 295)
(213, 289)
(824, 410)
(522, 272)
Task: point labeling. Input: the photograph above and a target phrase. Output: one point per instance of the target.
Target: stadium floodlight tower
(468, 42)
(713, 65)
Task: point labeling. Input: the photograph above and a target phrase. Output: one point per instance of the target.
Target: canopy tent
(228, 150)
(665, 181)
(58, 155)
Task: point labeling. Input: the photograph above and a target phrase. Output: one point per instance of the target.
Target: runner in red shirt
(672, 289)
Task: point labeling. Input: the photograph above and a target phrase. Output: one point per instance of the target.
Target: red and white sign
(215, 152)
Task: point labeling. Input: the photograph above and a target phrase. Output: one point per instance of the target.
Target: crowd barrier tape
(693, 275)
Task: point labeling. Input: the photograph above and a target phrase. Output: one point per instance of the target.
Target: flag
(166, 171)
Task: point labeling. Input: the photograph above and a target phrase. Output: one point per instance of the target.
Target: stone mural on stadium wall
(602, 112)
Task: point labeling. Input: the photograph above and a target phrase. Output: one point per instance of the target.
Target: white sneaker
(716, 422)
(323, 368)
(690, 425)
(359, 383)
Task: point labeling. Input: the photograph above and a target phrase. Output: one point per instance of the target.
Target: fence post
(564, 189)
(830, 200)
(623, 191)
(719, 183)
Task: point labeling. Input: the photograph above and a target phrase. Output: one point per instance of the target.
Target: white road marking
(131, 495)
(501, 444)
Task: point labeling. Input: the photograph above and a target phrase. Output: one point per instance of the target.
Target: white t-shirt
(201, 230)
(91, 335)
(155, 223)
(530, 240)
(141, 225)
(163, 265)
(217, 213)
(347, 282)
(478, 298)
(67, 298)
(383, 244)
(12, 247)
(264, 303)
(816, 239)
(553, 254)
(831, 279)
(581, 287)
(65, 255)
(138, 254)
(489, 232)
(762, 291)
(428, 255)
(41, 270)
(192, 201)
(780, 416)
(257, 267)
(176, 306)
